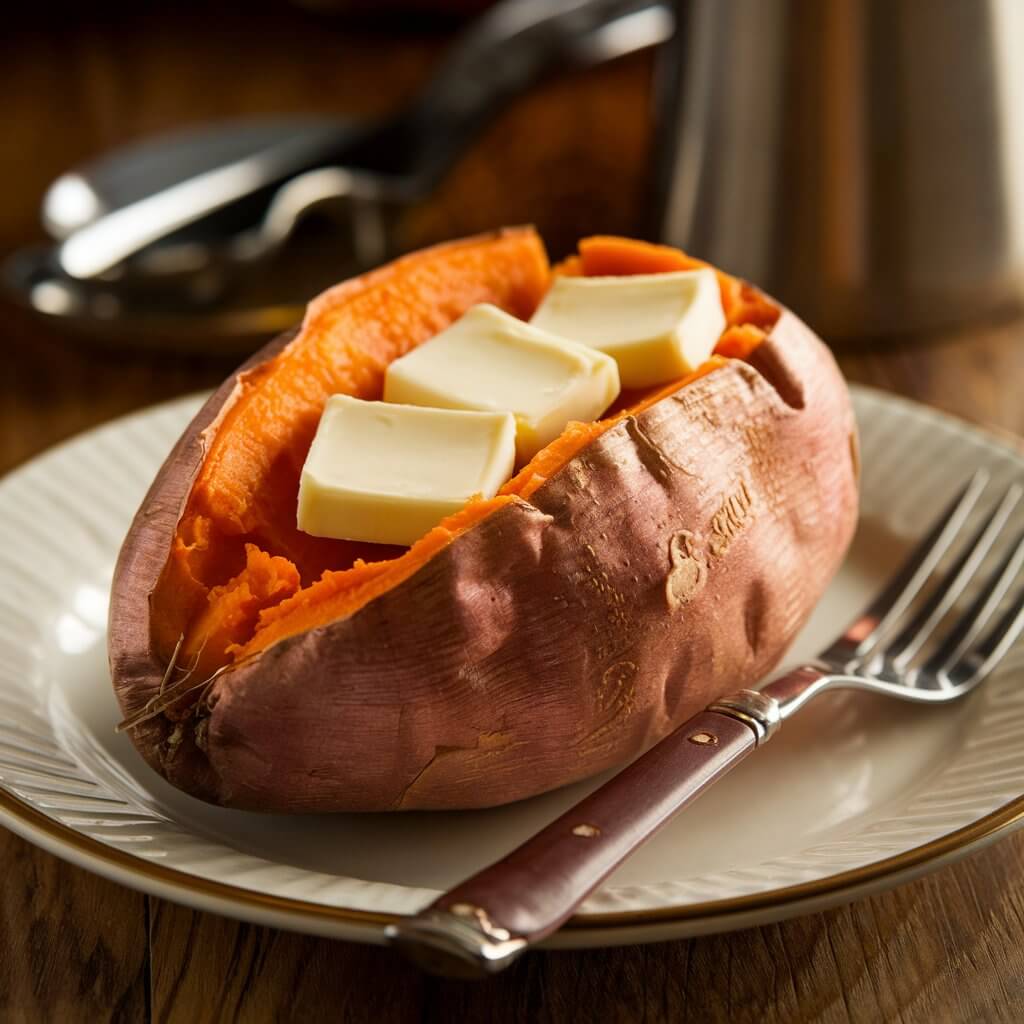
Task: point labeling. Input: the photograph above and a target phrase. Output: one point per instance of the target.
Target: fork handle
(487, 921)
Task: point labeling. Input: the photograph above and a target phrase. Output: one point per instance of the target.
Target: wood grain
(942, 949)
(572, 157)
(72, 946)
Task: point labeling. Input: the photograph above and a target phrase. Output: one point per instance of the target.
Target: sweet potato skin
(672, 560)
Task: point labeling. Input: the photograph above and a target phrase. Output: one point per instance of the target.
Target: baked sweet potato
(633, 571)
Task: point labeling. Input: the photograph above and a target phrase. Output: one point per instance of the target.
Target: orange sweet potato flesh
(338, 594)
(622, 578)
(245, 491)
(247, 485)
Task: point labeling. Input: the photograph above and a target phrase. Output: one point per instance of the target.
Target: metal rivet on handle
(703, 738)
(586, 831)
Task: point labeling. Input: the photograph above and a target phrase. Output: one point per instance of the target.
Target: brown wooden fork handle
(484, 923)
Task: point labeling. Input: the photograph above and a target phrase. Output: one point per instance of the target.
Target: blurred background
(79, 81)
(861, 159)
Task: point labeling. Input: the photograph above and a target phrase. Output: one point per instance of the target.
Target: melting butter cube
(388, 473)
(657, 327)
(490, 360)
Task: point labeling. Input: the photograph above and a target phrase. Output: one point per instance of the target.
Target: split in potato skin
(272, 610)
(288, 582)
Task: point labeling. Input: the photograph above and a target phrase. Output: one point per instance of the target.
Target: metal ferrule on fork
(760, 711)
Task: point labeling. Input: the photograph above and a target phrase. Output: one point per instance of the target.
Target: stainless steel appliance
(861, 159)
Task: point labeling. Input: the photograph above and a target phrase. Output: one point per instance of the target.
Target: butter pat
(488, 360)
(657, 327)
(388, 473)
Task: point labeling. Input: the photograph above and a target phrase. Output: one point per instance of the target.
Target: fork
(910, 643)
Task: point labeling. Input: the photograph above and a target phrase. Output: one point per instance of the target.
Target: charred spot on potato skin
(688, 570)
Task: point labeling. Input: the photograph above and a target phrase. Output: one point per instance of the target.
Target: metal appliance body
(861, 159)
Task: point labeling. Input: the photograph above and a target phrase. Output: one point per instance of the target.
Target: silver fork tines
(954, 663)
(859, 640)
(877, 652)
(921, 627)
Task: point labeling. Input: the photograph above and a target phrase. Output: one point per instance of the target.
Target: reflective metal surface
(198, 236)
(863, 160)
(754, 709)
(397, 159)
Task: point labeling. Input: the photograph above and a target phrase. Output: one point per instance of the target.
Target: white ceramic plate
(855, 795)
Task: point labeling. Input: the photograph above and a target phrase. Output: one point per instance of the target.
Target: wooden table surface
(571, 157)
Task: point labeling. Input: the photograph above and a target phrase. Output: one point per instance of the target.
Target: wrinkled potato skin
(672, 560)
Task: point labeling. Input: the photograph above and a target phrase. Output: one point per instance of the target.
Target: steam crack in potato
(473, 760)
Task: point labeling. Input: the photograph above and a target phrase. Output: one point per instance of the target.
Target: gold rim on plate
(1002, 820)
